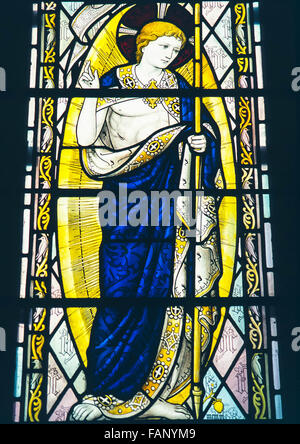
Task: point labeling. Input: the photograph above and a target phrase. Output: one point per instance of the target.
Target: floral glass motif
(217, 361)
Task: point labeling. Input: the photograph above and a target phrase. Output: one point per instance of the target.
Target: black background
(281, 33)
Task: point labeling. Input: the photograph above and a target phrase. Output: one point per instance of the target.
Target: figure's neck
(146, 73)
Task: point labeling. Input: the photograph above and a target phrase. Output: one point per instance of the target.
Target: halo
(138, 16)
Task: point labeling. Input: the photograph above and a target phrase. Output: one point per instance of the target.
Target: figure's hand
(198, 143)
(89, 80)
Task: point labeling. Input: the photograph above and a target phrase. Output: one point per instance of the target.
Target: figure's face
(161, 52)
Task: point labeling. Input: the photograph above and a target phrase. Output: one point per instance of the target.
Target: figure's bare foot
(163, 409)
(86, 412)
(160, 409)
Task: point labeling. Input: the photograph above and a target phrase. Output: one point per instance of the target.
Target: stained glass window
(104, 336)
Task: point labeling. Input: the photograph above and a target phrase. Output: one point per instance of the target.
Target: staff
(196, 388)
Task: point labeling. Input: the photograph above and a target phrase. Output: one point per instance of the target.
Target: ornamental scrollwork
(259, 399)
(251, 266)
(35, 402)
(245, 116)
(248, 210)
(45, 169)
(40, 288)
(240, 11)
(37, 344)
(255, 334)
(241, 44)
(50, 6)
(44, 214)
(42, 256)
(47, 111)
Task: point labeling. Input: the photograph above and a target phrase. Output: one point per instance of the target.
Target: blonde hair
(152, 31)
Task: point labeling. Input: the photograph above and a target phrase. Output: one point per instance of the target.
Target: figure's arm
(212, 161)
(207, 143)
(90, 120)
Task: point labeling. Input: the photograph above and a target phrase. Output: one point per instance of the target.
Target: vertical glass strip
(266, 200)
(16, 411)
(21, 333)
(275, 360)
(34, 36)
(26, 231)
(33, 68)
(260, 83)
(31, 112)
(24, 271)
(18, 372)
(268, 245)
(270, 277)
(257, 28)
(278, 407)
(261, 109)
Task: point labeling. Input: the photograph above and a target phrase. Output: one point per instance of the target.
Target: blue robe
(136, 263)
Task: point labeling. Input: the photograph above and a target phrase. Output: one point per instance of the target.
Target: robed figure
(140, 351)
